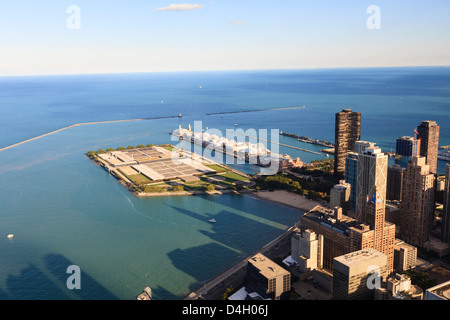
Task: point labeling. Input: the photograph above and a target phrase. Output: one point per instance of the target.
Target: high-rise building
(405, 256)
(267, 279)
(408, 146)
(343, 234)
(372, 176)
(340, 196)
(355, 274)
(429, 144)
(307, 250)
(417, 202)
(347, 132)
(351, 172)
(445, 226)
(395, 182)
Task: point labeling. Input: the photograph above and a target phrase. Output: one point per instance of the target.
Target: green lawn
(217, 168)
(233, 177)
(139, 179)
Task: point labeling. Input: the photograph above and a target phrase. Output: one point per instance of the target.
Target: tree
(100, 151)
(140, 146)
(178, 188)
(120, 148)
(130, 147)
(91, 154)
(227, 293)
(210, 187)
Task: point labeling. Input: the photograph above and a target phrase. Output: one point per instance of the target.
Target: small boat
(212, 220)
(180, 115)
(10, 235)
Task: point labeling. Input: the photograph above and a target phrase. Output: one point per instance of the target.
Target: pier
(281, 144)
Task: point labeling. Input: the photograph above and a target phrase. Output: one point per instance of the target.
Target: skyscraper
(417, 202)
(429, 145)
(445, 226)
(351, 172)
(407, 146)
(347, 132)
(371, 178)
(395, 182)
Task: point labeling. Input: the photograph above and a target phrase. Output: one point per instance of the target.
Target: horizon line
(223, 70)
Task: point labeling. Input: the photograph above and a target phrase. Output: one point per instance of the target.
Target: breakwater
(258, 110)
(82, 124)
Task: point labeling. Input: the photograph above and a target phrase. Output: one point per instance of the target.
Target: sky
(85, 36)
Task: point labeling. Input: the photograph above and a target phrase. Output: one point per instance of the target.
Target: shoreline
(235, 275)
(287, 198)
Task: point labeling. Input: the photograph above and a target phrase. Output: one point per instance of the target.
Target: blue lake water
(64, 210)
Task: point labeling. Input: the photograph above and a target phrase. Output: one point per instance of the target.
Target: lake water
(64, 210)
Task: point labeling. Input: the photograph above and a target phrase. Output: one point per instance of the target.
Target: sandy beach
(287, 198)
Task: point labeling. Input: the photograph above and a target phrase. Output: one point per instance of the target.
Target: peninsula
(165, 170)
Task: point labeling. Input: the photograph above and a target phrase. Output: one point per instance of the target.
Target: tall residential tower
(429, 145)
(347, 132)
(417, 202)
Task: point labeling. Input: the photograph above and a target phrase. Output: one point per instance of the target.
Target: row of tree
(121, 148)
(312, 188)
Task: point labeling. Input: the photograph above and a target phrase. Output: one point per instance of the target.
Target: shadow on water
(204, 268)
(159, 291)
(33, 284)
(224, 231)
(90, 288)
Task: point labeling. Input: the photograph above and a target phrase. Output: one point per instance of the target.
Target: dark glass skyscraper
(347, 132)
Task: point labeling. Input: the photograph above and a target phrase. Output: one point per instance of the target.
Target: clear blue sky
(146, 36)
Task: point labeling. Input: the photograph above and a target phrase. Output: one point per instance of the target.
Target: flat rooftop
(267, 267)
(359, 257)
(156, 163)
(442, 290)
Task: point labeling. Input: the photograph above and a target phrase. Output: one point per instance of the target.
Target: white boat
(10, 236)
(212, 220)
